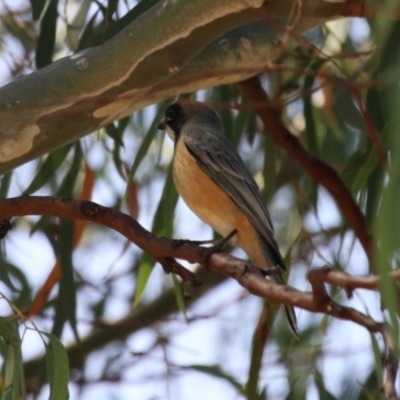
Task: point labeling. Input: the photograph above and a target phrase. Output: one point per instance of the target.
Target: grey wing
(219, 160)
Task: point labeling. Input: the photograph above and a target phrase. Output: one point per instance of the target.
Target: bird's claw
(217, 248)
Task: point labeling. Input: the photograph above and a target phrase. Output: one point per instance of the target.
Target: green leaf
(47, 36)
(179, 295)
(37, 8)
(217, 372)
(269, 168)
(12, 378)
(324, 394)
(118, 143)
(355, 162)
(222, 95)
(111, 8)
(310, 131)
(239, 127)
(388, 225)
(145, 270)
(162, 226)
(4, 274)
(347, 110)
(66, 188)
(117, 26)
(5, 185)
(374, 185)
(263, 394)
(9, 331)
(66, 300)
(24, 289)
(57, 368)
(144, 147)
(117, 160)
(370, 389)
(14, 385)
(114, 133)
(47, 169)
(365, 172)
(251, 126)
(378, 358)
(85, 40)
(77, 24)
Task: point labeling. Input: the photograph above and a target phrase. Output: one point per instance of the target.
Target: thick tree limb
(316, 168)
(79, 94)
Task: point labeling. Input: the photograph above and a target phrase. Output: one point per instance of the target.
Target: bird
(213, 181)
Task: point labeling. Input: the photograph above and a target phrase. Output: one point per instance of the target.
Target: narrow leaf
(179, 295)
(145, 145)
(47, 36)
(113, 132)
(162, 226)
(77, 24)
(66, 301)
(37, 8)
(5, 185)
(57, 368)
(13, 372)
(67, 186)
(9, 331)
(217, 372)
(48, 169)
(117, 26)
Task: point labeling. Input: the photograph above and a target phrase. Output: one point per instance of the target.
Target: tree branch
(246, 273)
(316, 168)
(361, 8)
(193, 45)
(163, 249)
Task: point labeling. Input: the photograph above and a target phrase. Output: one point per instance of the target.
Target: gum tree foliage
(84, 84)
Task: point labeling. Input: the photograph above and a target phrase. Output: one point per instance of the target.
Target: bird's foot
(271, 271)
(218, 246)
(180, 242)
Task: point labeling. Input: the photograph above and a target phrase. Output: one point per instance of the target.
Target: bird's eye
(171, 112)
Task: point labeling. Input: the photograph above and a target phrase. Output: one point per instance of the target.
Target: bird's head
(189, 114)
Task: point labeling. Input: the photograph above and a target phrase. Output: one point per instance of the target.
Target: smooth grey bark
(176, 46)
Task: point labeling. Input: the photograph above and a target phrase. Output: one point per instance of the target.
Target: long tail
(291, 315)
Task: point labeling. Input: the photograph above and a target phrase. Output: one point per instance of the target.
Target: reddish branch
(361, 8)
(316, 168)
(376, 141)
(164, 249)
(248, 275)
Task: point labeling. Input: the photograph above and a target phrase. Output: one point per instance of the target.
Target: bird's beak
(162, 126)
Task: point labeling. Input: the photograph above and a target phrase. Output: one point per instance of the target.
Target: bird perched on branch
(215, 184)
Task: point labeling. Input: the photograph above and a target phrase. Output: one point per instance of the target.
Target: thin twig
(316, 168)
(189, 279)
